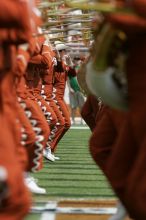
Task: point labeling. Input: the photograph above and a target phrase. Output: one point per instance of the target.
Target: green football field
(75, 176)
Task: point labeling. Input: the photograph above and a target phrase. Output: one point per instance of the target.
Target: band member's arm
(132, 22)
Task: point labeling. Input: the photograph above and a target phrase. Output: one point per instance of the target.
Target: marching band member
(126, 159)
(56, 119)
(135, 28)
(34, 138)
(61, 71)
(15, 202)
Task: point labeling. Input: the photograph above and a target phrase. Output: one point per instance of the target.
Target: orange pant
(59, 127)
(9, 108)
(37, 114)
(56, 120)
(28, 128)
(89, 111)
(112, 146)
(102, 139)
(30, 142)
(65, 113)
(16, 205)
(131, 145)
(120, 153)
(120, 166)
(52, 119)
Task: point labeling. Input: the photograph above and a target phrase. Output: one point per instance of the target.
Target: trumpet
(101, 6)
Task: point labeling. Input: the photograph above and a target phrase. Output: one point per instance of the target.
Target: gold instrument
(100, 6)
(105, 70)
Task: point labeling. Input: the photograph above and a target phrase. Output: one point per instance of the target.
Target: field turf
(75, 176)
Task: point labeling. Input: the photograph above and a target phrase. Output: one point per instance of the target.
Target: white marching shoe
(48, 155)
(31, 184)
(120, 214)
(55, 157)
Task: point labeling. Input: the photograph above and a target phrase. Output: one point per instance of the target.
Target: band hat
(58, 42)
(60, 45)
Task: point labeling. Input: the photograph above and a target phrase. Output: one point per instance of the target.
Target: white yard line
(79, 127)
(49, 215)
(50, 211)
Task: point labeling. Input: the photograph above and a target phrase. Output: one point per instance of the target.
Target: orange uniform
(59, 83)
(35, 150)
(89, 111)
(47, 90)
(126, 165)
(105, 136)
(16, 204)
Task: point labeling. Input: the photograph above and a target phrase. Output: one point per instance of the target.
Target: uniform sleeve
(15, 23)
(48, 55)
(22, 61)
(128, 23)
(135, 23)
(72, 72)
(37, 59)
(140, 7)
(14, 14)
(14, 36)
(89, 111)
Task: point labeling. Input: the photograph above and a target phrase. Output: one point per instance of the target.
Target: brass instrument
(105, 73)
(100, 6)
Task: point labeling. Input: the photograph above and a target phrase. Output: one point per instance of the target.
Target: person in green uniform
(76, 96)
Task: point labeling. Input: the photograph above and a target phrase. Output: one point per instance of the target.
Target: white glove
(54, 60)
(24, 46)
